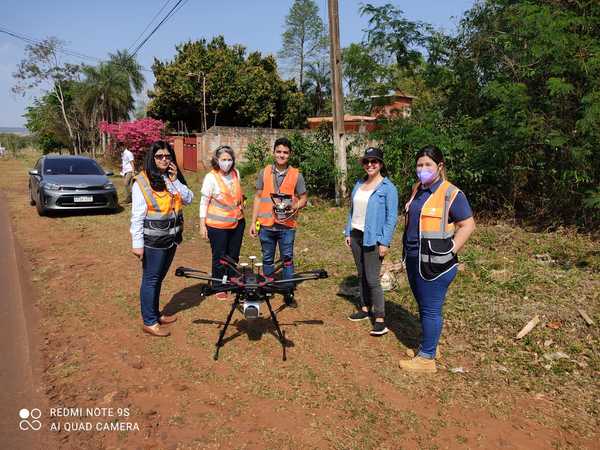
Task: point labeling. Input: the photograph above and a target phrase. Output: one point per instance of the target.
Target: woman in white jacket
(221, 211)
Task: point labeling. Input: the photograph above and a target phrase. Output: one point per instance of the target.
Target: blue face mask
(425, 176)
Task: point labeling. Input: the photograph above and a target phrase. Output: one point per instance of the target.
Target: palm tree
(129, 65)
(109, 88)
(317, 85)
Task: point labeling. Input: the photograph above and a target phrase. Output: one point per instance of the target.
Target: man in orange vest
(278, 178)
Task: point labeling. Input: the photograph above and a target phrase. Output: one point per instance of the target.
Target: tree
(512, 99)
(42, 66)
(244, 90)
(389, 57)
(45, 121)
(363, 76)
(527, 72)
(107, 91)
(305, 37)
(68, 115)
(317, 86)
(393, 38)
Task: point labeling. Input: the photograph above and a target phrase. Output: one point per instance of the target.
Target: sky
(96, 28)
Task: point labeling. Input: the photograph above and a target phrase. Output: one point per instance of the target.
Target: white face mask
(225, 165)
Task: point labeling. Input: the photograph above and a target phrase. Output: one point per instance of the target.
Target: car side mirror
(108, 174)
(33, 172)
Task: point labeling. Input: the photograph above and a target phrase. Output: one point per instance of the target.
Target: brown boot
(155, 330)
(164, 319)
(412, 353)
(419, 364)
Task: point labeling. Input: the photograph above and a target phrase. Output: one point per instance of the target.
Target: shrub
(258, 154)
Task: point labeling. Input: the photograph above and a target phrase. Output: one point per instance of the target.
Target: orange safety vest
(288, 186)
(435, 233)
(163, 224)
(225, 209)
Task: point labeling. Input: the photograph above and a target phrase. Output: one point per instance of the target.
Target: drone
(251, 288)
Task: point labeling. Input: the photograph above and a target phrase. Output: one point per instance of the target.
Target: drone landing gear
(234, 306)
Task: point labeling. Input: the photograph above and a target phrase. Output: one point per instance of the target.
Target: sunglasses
(162, 156)
(366, 162)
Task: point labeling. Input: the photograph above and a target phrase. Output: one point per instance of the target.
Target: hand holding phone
(172, 171)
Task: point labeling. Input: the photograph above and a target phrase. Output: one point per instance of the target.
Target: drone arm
(187, 272)
(304, 276)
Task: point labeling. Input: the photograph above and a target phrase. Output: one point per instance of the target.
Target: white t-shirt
(126, 162)
(210, 188)
(359, 208)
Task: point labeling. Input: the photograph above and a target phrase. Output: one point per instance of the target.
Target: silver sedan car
(70, 183)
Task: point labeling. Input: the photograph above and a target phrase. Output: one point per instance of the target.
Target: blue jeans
(156, 263)
(269, 238)
(430, 296)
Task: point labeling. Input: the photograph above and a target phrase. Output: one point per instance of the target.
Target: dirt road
(20, 369)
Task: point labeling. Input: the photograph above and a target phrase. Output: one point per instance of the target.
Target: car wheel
(41, 210)
(31, 199)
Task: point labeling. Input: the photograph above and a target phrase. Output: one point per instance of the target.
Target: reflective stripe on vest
(437, 259)
(225, 210)
(288, 186)
(163, 224)
(169, 231)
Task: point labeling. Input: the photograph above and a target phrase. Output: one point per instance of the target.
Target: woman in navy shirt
(369, 230)
(439, 221)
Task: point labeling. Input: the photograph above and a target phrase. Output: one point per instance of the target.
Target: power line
(171, 12)
(60, 49)
(37, 42)
(150, 23)
(167, 16)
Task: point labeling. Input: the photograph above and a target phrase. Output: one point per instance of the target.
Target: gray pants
(368, 266)
(128, 181)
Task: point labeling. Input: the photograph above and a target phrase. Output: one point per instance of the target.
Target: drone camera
(251, 309)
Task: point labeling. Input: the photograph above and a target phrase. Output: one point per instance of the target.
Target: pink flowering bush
(136, 135)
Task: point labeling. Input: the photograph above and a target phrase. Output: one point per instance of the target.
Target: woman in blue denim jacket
(369, 230)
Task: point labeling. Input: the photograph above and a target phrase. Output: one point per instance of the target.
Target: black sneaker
(358, 315)
(379, 329)
(290, 301)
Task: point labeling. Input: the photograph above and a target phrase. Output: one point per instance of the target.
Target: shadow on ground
(187, 298)
(404, 324)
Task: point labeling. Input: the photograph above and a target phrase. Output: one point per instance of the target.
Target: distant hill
(15, 130)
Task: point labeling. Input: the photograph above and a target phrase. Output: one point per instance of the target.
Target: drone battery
(251, 310)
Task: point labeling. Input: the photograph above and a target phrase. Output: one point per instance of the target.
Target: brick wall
(238, 139)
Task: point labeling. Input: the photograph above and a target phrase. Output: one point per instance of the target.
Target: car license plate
(83, 198)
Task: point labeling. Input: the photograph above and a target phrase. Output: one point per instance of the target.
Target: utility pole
(339, 141)
(204, 99)
(203, 75)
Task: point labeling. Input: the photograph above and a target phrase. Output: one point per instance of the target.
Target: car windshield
(71, 166)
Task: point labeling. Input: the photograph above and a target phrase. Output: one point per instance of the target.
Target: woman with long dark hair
(158, 196)
(222, 211)
(439, 221)
(369, 230)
